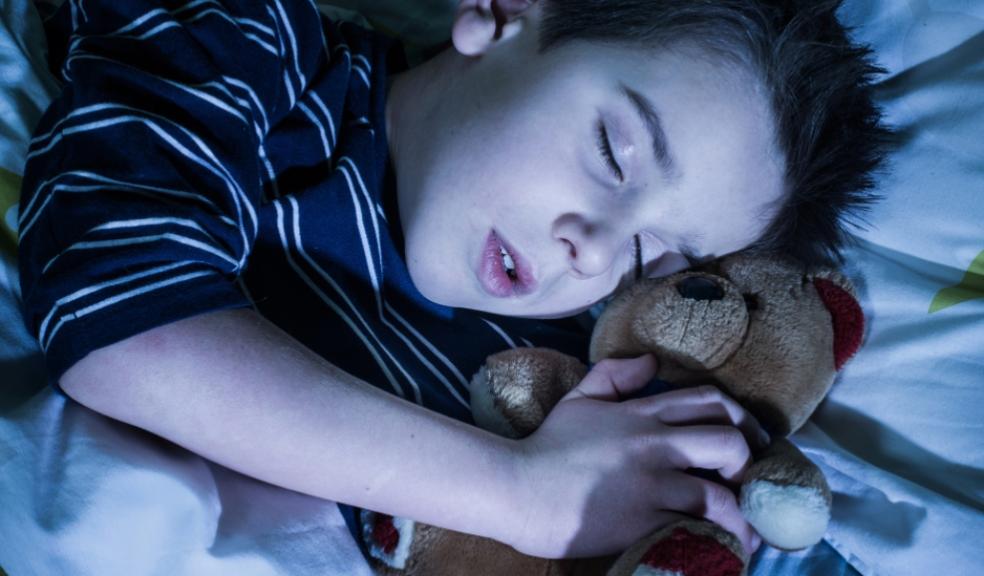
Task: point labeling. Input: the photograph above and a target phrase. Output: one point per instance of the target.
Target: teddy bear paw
(789, 517)
(388, 539)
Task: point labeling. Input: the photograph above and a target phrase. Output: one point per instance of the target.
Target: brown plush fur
(444, 552)
(527, 383)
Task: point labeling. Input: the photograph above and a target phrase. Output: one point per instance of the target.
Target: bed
(901, 436)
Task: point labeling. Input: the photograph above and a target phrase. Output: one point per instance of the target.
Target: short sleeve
(144, 177)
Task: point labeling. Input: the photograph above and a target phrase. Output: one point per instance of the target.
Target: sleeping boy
(262, 236)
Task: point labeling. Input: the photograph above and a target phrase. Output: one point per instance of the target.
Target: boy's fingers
(705, 404)
(613, 379)
(720, 448)
(705, 499)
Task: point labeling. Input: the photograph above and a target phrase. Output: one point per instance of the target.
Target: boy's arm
(234, 388)
(598, 475)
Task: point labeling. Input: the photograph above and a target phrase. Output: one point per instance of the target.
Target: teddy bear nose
(699, 288)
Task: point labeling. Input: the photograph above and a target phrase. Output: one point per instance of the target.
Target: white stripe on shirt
(118, 299)
(331, 303)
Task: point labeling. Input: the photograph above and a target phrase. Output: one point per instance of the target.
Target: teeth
(507, 260)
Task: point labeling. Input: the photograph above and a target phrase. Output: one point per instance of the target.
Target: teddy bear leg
(686, 548)
(786, 497)
(514, 391)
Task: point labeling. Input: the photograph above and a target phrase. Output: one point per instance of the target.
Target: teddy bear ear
(841, 300)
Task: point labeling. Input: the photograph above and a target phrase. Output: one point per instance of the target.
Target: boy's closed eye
(607, 155)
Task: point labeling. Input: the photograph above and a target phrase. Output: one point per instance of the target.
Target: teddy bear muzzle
(694, 319)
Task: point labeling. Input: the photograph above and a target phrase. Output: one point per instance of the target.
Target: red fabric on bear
(847, 316)
(384, 533)
(693, 555)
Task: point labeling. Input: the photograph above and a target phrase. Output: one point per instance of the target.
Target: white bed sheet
(900, 436)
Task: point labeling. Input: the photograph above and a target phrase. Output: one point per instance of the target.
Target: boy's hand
(600, 473)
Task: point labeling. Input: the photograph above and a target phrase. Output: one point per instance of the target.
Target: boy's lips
(492, 273)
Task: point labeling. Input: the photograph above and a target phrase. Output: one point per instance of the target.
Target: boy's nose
(590, 249)
(588, 261)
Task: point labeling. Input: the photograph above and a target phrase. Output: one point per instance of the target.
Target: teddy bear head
(769, 332)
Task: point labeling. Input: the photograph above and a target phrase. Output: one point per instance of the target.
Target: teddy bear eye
(751, 301)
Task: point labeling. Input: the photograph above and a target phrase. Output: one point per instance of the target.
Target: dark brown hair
(820, 84)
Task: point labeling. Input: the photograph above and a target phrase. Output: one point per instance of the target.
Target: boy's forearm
(234, 388)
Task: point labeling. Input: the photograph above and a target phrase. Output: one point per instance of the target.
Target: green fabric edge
(10, 186)
(970, 288)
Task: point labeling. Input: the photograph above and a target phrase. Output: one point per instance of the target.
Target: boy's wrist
(505, 502)
(515, 484)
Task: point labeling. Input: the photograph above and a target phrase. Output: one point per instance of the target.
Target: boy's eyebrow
(651, 119)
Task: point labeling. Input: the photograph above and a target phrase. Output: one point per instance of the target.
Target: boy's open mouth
(502, 271)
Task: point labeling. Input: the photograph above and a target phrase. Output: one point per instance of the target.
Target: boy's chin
(557, 315)
(505, 309)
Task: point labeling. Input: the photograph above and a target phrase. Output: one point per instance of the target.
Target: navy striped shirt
(206, 156)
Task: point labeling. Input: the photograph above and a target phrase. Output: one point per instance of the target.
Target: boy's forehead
(712, 119)
(719, 127)
(679, 73)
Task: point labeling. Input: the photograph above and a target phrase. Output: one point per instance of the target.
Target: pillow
(921, 263)
(932, 50)
(900, 434)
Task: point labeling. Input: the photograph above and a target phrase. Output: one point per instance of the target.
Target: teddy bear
(767, 331)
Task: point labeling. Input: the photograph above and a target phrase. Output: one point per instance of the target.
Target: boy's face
(511, 151)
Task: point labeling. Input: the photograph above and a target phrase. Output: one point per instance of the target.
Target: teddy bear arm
(786, 498)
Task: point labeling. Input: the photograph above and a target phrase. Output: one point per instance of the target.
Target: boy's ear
(480, 24)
